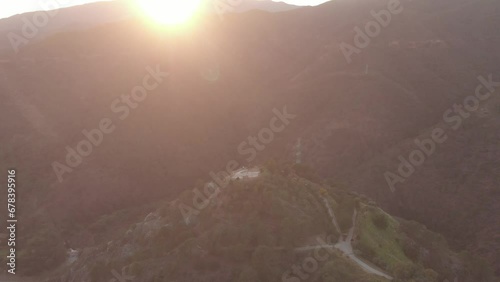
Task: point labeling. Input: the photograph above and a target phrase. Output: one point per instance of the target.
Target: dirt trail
(345, 246)
(332, 216)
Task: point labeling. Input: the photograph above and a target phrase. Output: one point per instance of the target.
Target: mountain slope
(35, 26)
(225, 80)
(256, 230)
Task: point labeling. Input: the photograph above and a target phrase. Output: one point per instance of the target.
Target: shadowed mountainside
(226, 77)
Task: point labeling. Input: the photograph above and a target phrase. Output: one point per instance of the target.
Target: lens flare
(169, 12)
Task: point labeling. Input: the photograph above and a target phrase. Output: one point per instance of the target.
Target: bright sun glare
(169, 12)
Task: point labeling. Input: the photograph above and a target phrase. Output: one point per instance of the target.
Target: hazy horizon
(26, 6)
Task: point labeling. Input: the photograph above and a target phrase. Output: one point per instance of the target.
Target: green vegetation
(248, 275)
(42, 250)
(98, 271)
(251, 231)
(379, 239)
(344, 209)
(341, 269)
(380, 220)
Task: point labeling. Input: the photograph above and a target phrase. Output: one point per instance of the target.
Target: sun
(169, 12)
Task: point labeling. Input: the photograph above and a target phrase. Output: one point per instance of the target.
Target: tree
(380, 221)
(271, 166)
(265, 260)
(404, 271)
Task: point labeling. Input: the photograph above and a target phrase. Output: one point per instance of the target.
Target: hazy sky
(12, 7)
(304, 2)
(9, 8)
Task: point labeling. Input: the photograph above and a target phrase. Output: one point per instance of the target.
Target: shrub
(99, 272)
(380, 221)
(206, 265)
(265, 261)
(344, 219)
(410, 249)
(248, 275)
(43, 250)
(136, 268)
(404, 271)
(366, 251)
